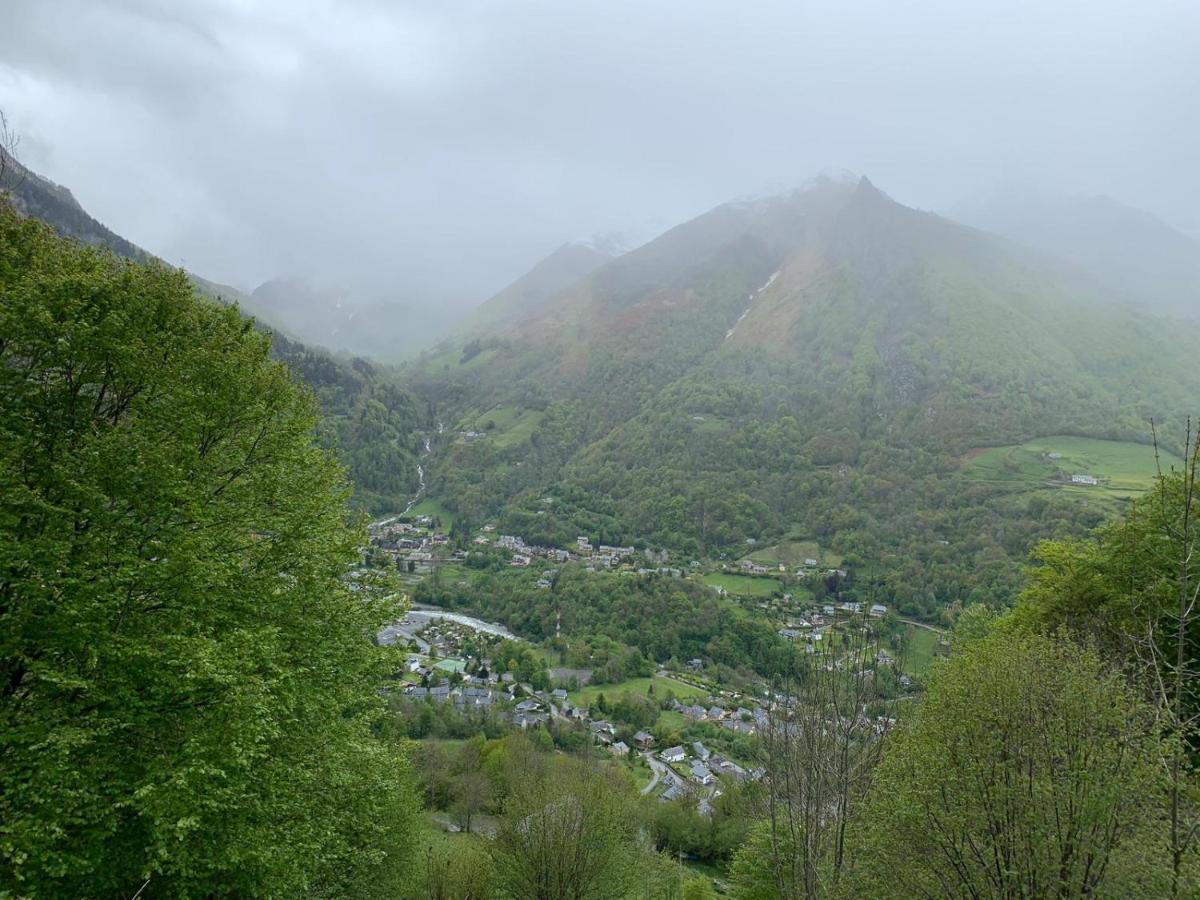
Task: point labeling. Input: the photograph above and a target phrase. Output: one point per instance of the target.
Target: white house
(673, 755)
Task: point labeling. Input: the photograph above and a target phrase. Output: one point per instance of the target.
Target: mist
(427, 153)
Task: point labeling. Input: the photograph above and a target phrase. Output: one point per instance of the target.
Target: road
(916, 624)
(658, 772)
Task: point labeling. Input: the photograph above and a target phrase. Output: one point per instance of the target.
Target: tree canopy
(188, 681)
(1029, 770)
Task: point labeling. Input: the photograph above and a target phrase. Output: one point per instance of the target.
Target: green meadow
(1122, 468)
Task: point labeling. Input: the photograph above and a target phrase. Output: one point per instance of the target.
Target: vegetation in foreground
(189, 702)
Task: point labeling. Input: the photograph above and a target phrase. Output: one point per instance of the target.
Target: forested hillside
(1150, 264)
(820, 363)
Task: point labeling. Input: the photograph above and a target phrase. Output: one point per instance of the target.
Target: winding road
(658, 772)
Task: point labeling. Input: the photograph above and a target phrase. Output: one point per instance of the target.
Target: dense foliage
(1028, 770)
(188, 686)
(367, 418)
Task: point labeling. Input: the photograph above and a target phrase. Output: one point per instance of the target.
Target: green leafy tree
(1029, 770)
(569, 835)
(187, 683)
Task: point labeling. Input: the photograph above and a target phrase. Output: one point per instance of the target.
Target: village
(417, 547)
(455, 661)
(706, 733)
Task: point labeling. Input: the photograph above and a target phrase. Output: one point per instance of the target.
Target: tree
(187, 685)
(472, 792)
(1029, 770)
(461, 872)
(819, 748)
(569, 835)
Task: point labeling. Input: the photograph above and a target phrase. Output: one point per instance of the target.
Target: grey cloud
(430, 151)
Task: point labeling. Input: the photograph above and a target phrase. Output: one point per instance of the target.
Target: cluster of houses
(814, 627)
(741, 720)
(523, 554)
(600, 557)
(409, 542)
(697, 767)
(810, 569)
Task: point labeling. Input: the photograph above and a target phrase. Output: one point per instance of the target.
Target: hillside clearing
(1120, 467)
(435, 509)
(507, 426)
(640, 686)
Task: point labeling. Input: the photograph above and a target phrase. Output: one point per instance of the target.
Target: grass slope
(1122, 467)
(507, 426)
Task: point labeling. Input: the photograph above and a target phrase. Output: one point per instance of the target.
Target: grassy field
(710, 425)
(921, 642)
(746, 585)
(507, 426)
(792, 552)
(669, 720)
(431, 507)
(453, 572)
(1123, 468)
(587, 696)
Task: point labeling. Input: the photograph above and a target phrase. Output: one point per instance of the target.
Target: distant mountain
(525, 297)
(817, 363)
(380, 448)
(849, 289)
(335, 318)
(1134, 254)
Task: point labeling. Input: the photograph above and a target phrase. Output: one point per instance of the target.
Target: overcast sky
(440, 148)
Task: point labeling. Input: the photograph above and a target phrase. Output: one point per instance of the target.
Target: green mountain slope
(816, 365)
